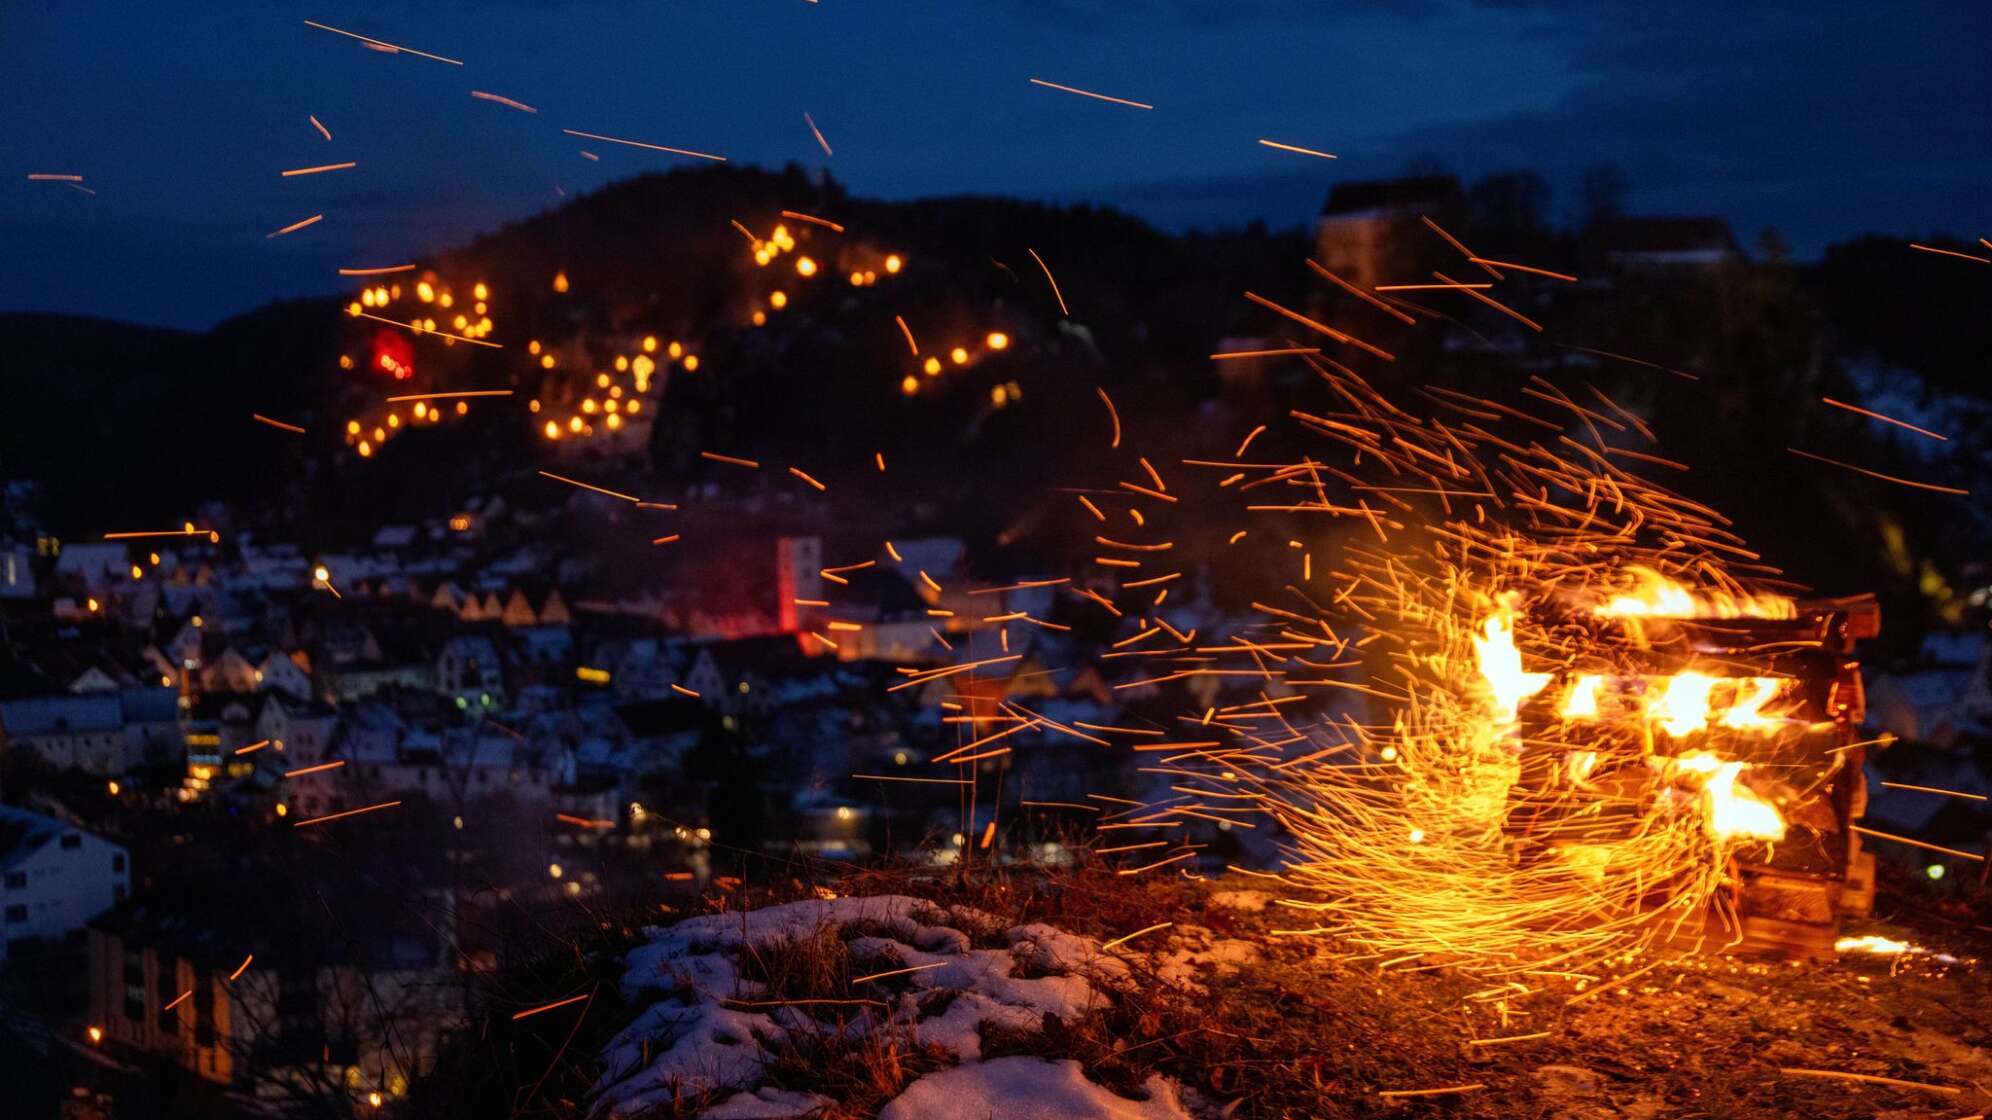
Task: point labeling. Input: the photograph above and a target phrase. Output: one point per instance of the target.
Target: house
(300, 729)
(96, 679)
(230, 671)
(447, 597)
(554, 612)
(1373, 231)
(216, 726)
(1944, 698)
(1647, 244)
(518, 611)
(890, 616)
(94, 567)
(545, 644)
(238, 984)
(280, 672)
(477, 516)
(53, 879)
(364, 660)
(469, 669)
(83, 731)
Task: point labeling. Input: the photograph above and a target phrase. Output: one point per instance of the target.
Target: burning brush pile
(1590, 722)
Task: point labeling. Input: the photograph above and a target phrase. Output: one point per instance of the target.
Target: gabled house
(53, 879)
(95, 679)
(447, 597)
(1371, 232)
(469, 670)
(279, 672)
(69, 731)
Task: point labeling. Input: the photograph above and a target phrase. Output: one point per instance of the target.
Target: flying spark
(505, 101)
(319, 169)
(1089, 93)
(295, 226)
(1299, 150)
(817, 132)
(381, 44)
(347, 813)
(641, 144)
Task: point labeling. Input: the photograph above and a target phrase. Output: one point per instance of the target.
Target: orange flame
(1730, 812)
(1656, 596)
(1501, 665)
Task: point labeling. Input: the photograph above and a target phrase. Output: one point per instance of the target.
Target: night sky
(1821, 119)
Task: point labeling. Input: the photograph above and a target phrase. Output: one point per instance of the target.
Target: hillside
(133, 425)
(128, 426)
(764, 1009)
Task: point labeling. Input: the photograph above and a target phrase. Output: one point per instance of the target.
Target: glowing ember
(1873, 943)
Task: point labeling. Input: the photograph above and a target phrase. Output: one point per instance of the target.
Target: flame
(1747, 713)
(1873, 943)
(1582, 701)
(1659, 597)
(1501, 665)
(1730, 812)
(1689, 702)
(1682, 708)
(1686, 703)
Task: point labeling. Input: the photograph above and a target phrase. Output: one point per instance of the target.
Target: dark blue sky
(1820, 118)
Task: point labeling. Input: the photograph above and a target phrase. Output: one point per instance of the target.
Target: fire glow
(1524, 736)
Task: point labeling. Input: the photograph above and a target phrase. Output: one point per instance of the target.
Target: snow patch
(1027, 1089)
(701, 1033)
(767, 1104)
(1196, 955)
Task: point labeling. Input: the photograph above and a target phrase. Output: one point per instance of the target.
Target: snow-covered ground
(713, 1027)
